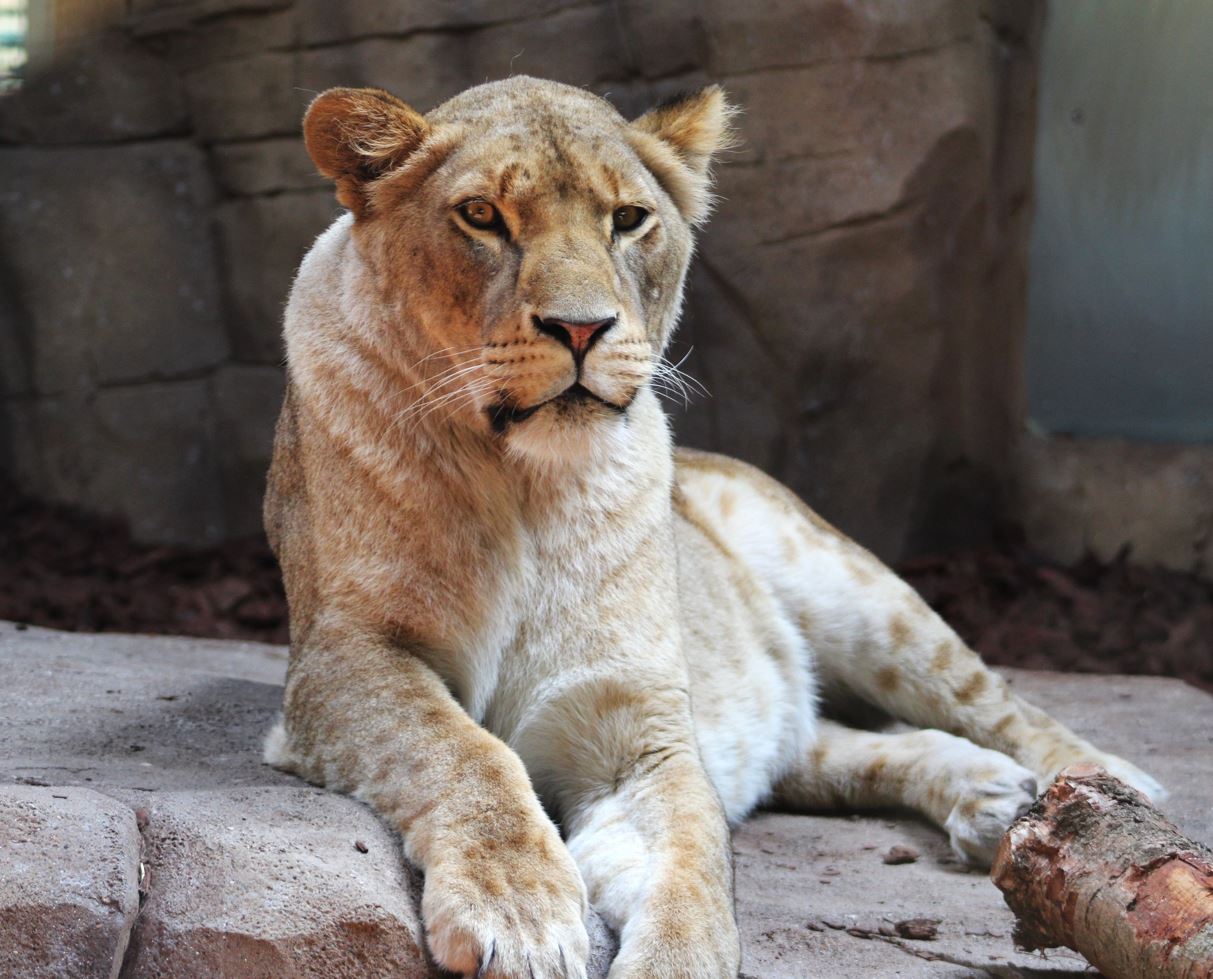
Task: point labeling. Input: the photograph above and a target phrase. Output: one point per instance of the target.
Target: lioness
(512, 601)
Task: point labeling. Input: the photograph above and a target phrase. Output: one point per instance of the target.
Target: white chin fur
(551, 439)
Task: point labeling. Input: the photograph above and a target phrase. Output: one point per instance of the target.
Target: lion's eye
(629, 217)
(481, 214)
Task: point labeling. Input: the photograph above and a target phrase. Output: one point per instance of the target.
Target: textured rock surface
(69, 876)
(268, 882)
(263, 240)
(110, 298)
(266, 166)
(146, 450)
(326, 22)
(248, 97)
(246, 398)
(136, 715)
(857, 310)
(1101, 495)
(250, 872)
(117, 318)
(110, 91)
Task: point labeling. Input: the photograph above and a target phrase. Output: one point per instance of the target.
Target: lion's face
(530, 243)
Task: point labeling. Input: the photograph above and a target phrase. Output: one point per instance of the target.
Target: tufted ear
(689, 130)
(355, 135)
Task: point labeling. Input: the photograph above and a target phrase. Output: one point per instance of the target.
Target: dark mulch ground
(67, 570)
(64, 569)
(1091, 617)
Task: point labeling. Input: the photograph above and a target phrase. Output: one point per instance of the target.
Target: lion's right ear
(355, 135)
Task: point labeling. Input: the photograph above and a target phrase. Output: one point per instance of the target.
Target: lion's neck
(606, 480)
(533, 551)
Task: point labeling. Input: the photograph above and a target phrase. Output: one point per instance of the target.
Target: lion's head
(527, 243)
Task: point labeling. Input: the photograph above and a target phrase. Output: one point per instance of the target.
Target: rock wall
(1149, 501)
(856, 310)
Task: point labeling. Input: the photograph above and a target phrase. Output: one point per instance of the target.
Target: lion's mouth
(505, 413)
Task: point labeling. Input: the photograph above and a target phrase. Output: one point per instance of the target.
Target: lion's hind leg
(972, 792)
(895, 653)
(898, 655)
(873, 638)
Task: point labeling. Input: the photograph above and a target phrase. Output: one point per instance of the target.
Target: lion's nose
(578, 337)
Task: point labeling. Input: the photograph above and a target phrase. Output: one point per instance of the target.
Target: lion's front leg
(503, 897)
(654, 852)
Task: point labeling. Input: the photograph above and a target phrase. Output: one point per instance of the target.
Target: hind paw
(1126, 771)
(988, 802)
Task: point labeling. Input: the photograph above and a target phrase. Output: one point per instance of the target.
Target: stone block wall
(856, 309)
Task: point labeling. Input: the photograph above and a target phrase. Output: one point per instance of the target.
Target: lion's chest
(580, 601)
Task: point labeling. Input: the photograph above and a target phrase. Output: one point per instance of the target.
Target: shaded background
(878, 320)
(856, 310)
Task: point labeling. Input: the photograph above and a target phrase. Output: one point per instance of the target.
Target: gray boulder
(69, 875)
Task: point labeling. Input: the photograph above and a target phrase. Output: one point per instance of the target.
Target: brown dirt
(64, 569)
(1092, 617)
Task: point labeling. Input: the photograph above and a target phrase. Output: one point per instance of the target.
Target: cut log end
(1095, 867)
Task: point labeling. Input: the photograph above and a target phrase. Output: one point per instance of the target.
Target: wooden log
(1095, 867)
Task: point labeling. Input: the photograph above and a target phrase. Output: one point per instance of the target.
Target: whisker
(444, 376)
(431, 404)
(456, 403)
(672, 372)
(671, 393)
(445, 379)
(444, 352)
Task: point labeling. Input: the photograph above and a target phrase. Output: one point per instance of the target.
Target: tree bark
(1093, 866)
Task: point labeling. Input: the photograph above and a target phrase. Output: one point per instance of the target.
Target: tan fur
(506, 588)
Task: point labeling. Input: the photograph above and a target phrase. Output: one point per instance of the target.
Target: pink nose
(578, 337)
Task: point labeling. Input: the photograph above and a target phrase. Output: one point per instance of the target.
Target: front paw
(688, 932)
(506, 911)
(697, 953)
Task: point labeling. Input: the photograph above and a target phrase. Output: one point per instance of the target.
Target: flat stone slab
(273, 882)
(69, 875)
(249, 872)
(133, 715)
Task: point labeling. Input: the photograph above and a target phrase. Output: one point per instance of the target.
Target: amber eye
(481, 214)
(629, 217)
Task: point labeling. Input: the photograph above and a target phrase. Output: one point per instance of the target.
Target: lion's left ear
(688, 130)
(696, 126)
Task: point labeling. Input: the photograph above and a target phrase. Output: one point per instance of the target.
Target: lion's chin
(576, 429)
(575, 404)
